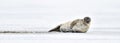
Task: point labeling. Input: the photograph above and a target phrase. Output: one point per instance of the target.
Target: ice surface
(94, 35)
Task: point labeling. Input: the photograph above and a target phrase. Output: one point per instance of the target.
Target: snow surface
(94, 35)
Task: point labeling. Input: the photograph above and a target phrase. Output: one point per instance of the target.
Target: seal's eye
(87, 19)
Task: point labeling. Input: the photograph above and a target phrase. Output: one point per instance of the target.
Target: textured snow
(94, 35)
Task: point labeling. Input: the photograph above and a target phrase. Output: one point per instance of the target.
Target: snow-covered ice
(94, 35)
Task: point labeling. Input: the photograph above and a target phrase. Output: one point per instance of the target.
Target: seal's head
(87, 20)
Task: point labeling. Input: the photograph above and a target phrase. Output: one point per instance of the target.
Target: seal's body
(78, 25)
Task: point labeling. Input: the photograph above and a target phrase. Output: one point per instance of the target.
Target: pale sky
(104, 13)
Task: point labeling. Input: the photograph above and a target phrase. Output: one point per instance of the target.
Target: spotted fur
(78, 25)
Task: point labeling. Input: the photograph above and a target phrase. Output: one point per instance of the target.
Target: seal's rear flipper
(56, 29)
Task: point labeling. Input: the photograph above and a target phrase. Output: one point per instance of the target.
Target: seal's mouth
(87, 19)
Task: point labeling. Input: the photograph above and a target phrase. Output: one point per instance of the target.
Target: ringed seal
(77, 26)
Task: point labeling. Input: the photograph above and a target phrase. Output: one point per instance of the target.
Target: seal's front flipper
(56, 29)
(74, 23)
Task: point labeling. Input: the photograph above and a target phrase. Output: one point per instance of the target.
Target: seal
(77, 26)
